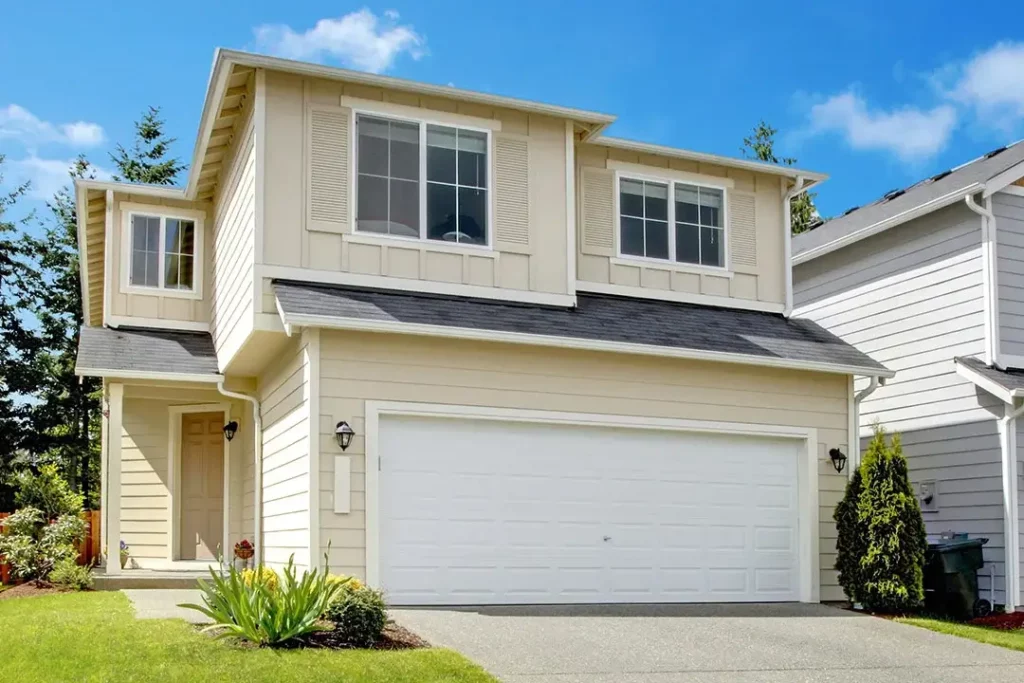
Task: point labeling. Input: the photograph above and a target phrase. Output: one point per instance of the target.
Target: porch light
(229, 430)
(838, 459)
(343, 433)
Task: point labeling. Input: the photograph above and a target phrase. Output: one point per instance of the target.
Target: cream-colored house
(566, 361)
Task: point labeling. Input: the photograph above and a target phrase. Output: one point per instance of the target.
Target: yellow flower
(263, 575)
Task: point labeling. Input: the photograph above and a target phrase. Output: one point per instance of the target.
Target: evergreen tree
(66, 410)
(147, 160)
(760, 145)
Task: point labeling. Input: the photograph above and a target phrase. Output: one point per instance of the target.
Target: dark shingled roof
(978, 171)
(1010, 379)
(106, 351)
(596, 317)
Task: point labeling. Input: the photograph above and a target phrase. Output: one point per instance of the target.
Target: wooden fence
(89, 550)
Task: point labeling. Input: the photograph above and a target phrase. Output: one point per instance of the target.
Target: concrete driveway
(706, 644)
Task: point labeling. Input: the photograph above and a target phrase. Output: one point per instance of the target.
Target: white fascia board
(883, 225)
(678, 153)
(81, 218)
(997, 390)
(215, 87)
(356, 325)
(1003, 179)
(143, 375)
(161, 191)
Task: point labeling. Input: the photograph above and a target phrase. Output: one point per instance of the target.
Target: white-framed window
(162, 252)
(689, 228)
(420, 180)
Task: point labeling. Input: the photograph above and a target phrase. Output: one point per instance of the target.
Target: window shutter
(329, 168)
(598, 192)
(511, 190)
(742, 229)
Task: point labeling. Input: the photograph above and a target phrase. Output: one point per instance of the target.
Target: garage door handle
(607, 538)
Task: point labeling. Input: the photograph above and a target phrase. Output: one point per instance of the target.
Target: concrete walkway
(155, 603)
(706, 644)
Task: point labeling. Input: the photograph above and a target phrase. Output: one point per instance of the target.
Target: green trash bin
(951, 578)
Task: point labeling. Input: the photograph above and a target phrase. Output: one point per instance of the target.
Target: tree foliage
(147, 161)
(760, 145)
(882, 543)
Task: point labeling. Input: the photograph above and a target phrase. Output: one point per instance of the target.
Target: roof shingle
(107, 351)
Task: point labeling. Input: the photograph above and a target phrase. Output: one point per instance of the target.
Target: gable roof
(598, 322)
(135, 352)
(901, 205)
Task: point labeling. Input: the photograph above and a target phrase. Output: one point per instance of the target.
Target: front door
(202, 485)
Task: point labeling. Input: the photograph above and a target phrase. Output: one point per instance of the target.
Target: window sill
(161, 292)
(379, 240)
(636, 261)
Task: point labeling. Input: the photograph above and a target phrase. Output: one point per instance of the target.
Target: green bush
(260, 614)
(359, 615)
(67, 573)
(881, 535)
(34, 547)
(48, 492)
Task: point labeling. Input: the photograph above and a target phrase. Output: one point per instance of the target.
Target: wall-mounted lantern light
(838, 459)
(229, 430)
(343, 433)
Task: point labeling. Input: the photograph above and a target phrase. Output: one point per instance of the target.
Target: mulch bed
(1003, 622)
(395, 637)
(27, 590)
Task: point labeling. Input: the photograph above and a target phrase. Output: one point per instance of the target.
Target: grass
(1014, 640)
(95, 637)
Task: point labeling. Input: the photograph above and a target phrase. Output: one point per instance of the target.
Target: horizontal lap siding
(911, 298)
(284, 396)
(1009, 212)
(356, 368)
(144, 493)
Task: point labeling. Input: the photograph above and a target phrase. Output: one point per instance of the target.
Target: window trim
(163, 213)
(422, 122)
(723, 270)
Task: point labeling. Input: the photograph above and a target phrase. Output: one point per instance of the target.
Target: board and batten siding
(912, 299)
(358, 367)
(234, 242)
(753, 230)
(1009, 212)
(310, 202)
(284, 403)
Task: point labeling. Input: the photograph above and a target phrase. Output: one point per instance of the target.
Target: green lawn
(95, 637)
(1013, 640)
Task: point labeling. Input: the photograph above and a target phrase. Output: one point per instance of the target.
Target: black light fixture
(838, 459)
(343, 433)
(229, 430)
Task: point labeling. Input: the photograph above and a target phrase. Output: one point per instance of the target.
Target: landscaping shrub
(255, 612)
(34, 547)
(359, 614)
(47, 492)
(69, 574)
(881, 536)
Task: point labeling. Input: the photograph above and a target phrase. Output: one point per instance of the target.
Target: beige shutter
(511, 192)
(598, 196)
(742, 228)
(328, 168)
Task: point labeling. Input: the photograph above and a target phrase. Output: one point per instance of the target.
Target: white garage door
(491, 512)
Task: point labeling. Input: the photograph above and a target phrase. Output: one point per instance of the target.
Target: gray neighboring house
(929, 281)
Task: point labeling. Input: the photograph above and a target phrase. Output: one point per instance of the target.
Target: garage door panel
(480, 511)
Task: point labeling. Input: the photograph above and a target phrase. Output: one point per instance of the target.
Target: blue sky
(876, 94)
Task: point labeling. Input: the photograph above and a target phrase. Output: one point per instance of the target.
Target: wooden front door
(202, 485)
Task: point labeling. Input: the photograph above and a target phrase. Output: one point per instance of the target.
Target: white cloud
(46, 176)
(360, 40)
(19, 123)
(991, 83)
(910, 133)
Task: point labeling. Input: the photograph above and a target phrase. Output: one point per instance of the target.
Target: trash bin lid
(950, 544)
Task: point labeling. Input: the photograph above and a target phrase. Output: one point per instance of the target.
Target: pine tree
(760, 145)
(147, 161)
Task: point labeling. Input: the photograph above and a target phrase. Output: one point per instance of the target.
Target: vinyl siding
(234, 239)
(911, 298)
(357, 367)
(1009, 212)
(284, 397)
(964, 462)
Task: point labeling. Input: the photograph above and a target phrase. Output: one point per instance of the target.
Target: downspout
(787, 224)
(257, 475)
(989, 265)
(857, 398)
(1011, 513)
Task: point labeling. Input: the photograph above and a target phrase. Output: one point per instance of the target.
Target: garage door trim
(808, 465)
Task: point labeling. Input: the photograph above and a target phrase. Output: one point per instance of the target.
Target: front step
(148, 580)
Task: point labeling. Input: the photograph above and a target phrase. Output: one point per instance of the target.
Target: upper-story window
(689, 229)
(162, 253)
(422, 181)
